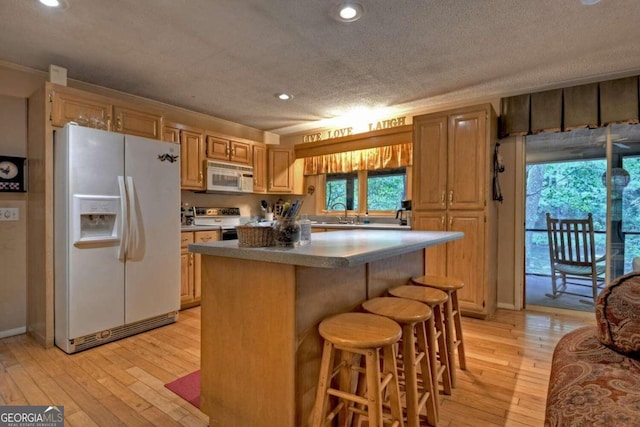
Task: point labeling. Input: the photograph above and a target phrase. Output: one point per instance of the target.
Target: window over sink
(379, 190)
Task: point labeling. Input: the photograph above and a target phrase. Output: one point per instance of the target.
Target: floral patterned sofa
(595, 372)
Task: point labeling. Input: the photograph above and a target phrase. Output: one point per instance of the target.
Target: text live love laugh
(338, 133)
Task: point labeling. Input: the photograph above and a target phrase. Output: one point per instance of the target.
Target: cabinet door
(435, 256)
(138, 123)
(84, 111)
(279, 172)
(465, 258)
(170, 134)
(217, 148)
(201, 237)
(467, 163)
(259, 168)
(186, 268)
(192, 160)
(240, 152)
(430, 163)
(186, 276)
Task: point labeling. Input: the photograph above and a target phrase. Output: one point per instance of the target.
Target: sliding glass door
(574, 174)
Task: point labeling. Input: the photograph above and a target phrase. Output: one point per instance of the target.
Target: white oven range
(226, 218)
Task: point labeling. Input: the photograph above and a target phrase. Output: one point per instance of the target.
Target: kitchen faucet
(340, 221)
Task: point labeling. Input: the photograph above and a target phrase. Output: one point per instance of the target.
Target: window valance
(390, 156)
(587, 106)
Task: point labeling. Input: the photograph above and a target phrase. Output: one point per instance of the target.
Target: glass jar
(305, 229)
(286, 232)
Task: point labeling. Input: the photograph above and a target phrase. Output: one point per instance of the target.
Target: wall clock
(12, 176)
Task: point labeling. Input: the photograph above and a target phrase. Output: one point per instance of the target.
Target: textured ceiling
(228, 58)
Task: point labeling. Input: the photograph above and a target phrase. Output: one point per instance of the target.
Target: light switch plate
(9, 214)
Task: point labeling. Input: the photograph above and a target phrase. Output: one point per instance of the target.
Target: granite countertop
(337, 249)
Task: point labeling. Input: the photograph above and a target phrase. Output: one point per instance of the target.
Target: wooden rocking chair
(573, 256)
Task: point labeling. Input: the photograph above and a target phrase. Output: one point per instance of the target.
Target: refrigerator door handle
(124, 234)
(134, 231)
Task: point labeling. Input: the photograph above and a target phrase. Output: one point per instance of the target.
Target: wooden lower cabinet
(471, 259)
(190, 264)
(323, 230)
(186, 269)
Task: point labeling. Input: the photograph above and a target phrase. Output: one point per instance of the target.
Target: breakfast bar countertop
(337, 249)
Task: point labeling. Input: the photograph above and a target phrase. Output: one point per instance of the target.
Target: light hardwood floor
(122, 383)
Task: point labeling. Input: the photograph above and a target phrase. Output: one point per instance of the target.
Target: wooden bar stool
(435, 299)
(412, 317)
(453, 323)
(367, 335)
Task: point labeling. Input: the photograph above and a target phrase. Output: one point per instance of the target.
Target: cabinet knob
(443, 198)
(451, 197)
(190, 259)
(119, 123)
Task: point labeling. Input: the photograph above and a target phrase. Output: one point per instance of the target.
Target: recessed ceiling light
(348, 12)
(58, 4)
(589, 2)
(283, 96)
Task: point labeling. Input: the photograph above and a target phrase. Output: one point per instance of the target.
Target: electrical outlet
(9, 214)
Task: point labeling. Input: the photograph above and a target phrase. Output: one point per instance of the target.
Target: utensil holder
(286, 232)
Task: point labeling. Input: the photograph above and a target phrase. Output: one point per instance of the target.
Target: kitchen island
(260, 350)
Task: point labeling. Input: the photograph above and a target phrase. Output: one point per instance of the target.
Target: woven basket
(254, 237)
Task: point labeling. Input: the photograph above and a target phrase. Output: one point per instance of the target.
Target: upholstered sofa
(595, 372)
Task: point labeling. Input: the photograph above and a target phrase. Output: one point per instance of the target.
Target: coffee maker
(404, 213)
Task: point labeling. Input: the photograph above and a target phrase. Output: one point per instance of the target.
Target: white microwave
(223, 177)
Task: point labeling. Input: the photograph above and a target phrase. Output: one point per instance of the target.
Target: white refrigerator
(116, 236)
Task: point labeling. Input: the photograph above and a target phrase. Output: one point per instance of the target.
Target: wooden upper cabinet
(228, 150)
(450, 157)
(192, 160)
(280, 172)
(259, 168)
(468, 162)
(170, 133)
(217, 148)
(240, 152)
(430, 155)
(86, 111)
(138, 123)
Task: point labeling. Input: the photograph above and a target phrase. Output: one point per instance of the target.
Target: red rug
(187, 387)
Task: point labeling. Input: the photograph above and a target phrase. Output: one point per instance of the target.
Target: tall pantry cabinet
(452, 191)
